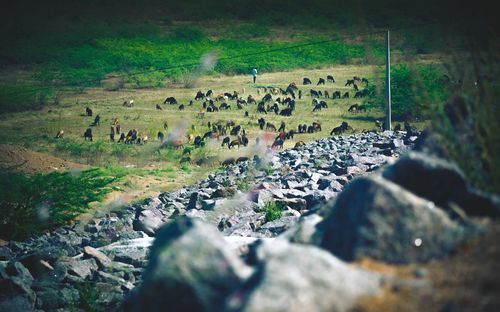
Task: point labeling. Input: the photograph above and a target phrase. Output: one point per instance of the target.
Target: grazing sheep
(329, 78)
(235, 143)
(181, 107)
(97, 120)
(228, 162)
(170, 100)
(244, 140)
(160, 136)
(122, 138)
(349, 82)
(353, 108)
(88, 134)
(199, 96)
(321, 81)
(59, 134)
(112, 134)
(314, 93)
(306, 81)
(299, 144)
(225, 141)
(158, 107)
(277, 144)
(128, 103)
(262, 123)
(340, 129)
(282, 127)
(88, 111)
(270, 126)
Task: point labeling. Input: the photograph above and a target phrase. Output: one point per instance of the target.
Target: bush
(273, 211)
(32, 204)
(414, 90)
(21, 97)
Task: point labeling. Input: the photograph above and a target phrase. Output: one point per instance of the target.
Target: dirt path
(22, 159)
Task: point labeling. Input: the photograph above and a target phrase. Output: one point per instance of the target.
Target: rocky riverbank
(216, 247)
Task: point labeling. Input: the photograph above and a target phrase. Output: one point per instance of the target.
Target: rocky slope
(216, 250)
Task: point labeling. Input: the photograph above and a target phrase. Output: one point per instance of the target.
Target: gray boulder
(148, 221)
(293, 277)
(191, 268)
(440, 181)
(376, 218)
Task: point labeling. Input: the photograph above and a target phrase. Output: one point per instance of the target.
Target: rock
(114, 280)
(304, 231)
(193, 201)
(208, 204)
(101, 258)
(148, 221)
(376, 218)
(338, 170)
(191, 269)
(277, 227)
(52, 299)
(442, 182)
(294, 203)
(293, 277)
(15, 284)
(83, 268)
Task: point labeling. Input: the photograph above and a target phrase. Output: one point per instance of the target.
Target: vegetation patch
(33, 204)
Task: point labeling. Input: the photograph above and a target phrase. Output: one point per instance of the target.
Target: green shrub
(273, 211)
(17, 97)
(31, 204)
(414, 89)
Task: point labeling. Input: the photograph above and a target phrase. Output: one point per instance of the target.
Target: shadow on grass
(362, 118)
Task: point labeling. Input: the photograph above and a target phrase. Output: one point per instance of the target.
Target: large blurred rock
(191, 268)
(293, 277)
(376, 218)
(15, 288)
(440, 181)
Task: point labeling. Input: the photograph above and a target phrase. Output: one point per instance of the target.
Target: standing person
(254, 74)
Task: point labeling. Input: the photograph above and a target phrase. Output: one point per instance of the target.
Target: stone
(191, 269)
(292, 277)
(82, 268)
(442, 182)
(278, 226)
(376, 218)
(52, 299)
(304, 231)
(294, 203)
(101, 258)
(193, 201)
(148, 221)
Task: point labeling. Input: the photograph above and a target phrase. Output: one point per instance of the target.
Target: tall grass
(32, 204)
(467, 127)
(415, 88)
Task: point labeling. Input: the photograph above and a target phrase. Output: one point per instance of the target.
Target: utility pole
(387, 83)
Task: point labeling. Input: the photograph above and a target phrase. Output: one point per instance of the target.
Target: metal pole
(388, 82)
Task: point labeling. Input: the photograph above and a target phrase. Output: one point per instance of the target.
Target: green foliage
(186, 168)
(89, 296)
(273, 211)
(92, 152)
(16, 97)
(31, 204)
(413, 91)
(268, 170)
(244, 185)
(226, 183)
